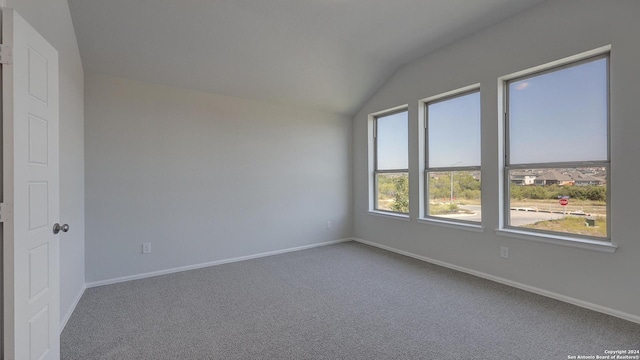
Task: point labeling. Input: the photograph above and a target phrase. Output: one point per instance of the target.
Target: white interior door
(31, 193)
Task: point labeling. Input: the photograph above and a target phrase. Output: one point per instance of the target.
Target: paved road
(518, 218)
(468, 217)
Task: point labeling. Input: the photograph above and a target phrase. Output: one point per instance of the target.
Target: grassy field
(573, 225)
(385, 202)
(445, 209)
(595, 208)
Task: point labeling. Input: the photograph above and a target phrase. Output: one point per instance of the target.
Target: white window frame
(424, 161)
(561, 238)
(373, 163)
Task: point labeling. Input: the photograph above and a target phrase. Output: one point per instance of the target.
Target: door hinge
(6, 54)
(6, 211)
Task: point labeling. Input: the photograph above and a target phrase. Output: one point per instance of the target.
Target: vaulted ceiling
(327, 55)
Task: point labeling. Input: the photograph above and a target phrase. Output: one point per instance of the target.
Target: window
(391, 162)
(557, 150)
(452, 158)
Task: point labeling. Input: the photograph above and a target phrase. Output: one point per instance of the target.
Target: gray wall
(53, 20)
(205, 177)
(553, 30)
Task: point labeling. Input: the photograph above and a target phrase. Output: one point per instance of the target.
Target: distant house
(581, 179)
(553, 178)
(523, 178)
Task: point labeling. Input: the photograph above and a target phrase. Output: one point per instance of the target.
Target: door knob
(57, 228)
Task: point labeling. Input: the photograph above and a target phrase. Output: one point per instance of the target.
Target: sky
(454, 131)
(558, 116)
(393, 141)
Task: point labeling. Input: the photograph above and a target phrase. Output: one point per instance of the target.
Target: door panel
(31, 191)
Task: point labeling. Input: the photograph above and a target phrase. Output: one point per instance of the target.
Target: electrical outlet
(504, 252)
(328, 224)
(146, 248)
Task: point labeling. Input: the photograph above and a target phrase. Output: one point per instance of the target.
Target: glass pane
(455, 195)
(393, 141)
(454, 132)
(560, 116)
(536, 198)
(392, 192)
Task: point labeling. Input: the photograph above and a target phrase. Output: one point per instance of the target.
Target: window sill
(452, 224)
(390, 215)
(595, 245)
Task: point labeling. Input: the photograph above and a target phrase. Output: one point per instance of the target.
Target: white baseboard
(72, 308)
(207, 264)
(535, 290)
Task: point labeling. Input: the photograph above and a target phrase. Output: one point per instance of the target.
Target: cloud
(522, 86)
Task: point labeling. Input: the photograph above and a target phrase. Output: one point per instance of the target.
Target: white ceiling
(328, 55)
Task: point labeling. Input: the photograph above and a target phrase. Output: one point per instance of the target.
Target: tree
(466, 181)
(465, 186)
(597, 193)
(548, 192)
(439, 187)
(401, 198)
